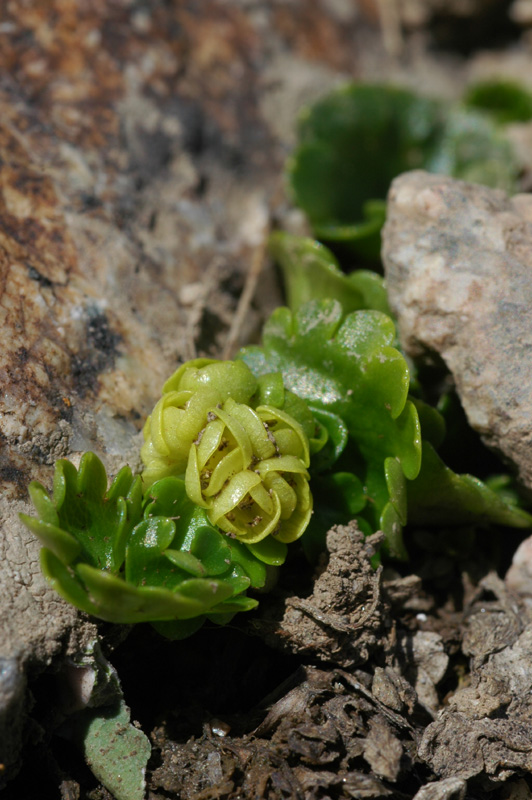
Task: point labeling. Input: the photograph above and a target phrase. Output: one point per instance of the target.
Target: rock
(458, 261)
(519, 576)
(425, 664)
(140, 150)
(484, 730)
(447, 789)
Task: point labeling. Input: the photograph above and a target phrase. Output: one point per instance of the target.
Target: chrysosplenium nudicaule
(243, 460)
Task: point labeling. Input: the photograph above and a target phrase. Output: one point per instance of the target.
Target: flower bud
(247, 467)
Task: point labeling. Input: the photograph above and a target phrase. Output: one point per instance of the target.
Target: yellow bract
(246, 466)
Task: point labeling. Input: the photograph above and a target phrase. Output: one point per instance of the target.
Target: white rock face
(458, 262)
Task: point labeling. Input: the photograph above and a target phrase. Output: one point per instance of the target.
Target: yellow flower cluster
(246, 466)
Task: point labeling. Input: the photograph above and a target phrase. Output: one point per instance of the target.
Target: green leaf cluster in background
(504, 100)
(357, 139)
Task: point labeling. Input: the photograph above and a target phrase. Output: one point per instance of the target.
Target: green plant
(224, 489)
(386, 472)
(229, 451)
(354, 141)
(505, 101)
(328, 401)
(127, 558)
(245, 462)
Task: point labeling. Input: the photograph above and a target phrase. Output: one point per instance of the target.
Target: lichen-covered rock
(140, 148)
(458, 261)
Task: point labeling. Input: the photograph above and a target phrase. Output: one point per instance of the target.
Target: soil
(347, 682)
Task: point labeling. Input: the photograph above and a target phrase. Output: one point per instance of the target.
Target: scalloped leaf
(439, 496)
(311, 272)
(60, 542)
(119, 601)
(178, 566)
(348, 366)
(82, 520)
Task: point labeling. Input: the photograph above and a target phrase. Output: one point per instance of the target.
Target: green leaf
(347, 366)
(119, 601)
(339, 498)
(362, 238)
(172, 565)
(433, 427)
(145, 562)
(438, 496)
(505, 101)
(338, 436)
(473, 150)
(82, 520)
(116, 751)
(43, 503)
(356, 140)
(252, 561)
(58, 541)
(311, 272)
(66, 583)
(233, 605)
(270, 551)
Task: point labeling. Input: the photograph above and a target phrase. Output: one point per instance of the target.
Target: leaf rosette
(243, 460)
(126, 558)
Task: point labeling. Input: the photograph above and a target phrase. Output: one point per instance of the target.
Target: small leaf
(439, 496)
(505, 101)
(92, 479)
(116, 751)
(43, 503)
(234, 605)
(145, 563)
(338, 436)
(61, 543)
(121, 484)
(311, 272)
(270, 551)
(362, 238)
(65, 583)
(186, 562)
(250, 559)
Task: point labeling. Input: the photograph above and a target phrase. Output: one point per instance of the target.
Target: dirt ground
(412, 680)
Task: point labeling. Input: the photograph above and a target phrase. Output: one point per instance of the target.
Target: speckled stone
(458, 261)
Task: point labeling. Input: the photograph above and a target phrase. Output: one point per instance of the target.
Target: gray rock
(458, 261)
(447, 789)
